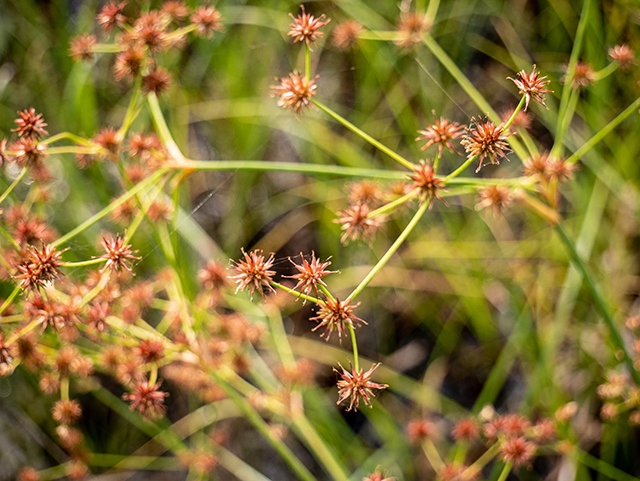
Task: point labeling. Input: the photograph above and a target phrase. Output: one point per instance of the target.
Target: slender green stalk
(279, 335)
(107, 210)
(599, 301)
(10, 239)
(605, 72)
(515, 113)
(364, 135)
(163, 130)
(354, 346)
(394, 247)
(89, 262)
(558, 145)
(263, 428)
(589, 144)
(505, 471)
(307, 60)
(571, 68)
(432, 10)
(460, 169)
(296, 293)
(431, 452)
(66, 135)
(132, 110)
(601, 466)
(7, 302)
(391, 205)
(4, 195)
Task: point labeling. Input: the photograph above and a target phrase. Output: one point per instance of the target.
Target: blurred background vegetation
(482, 310)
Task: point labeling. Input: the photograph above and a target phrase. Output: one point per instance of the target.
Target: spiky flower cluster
(253, 272)
(295, 92)
(357, 386)
(441, 132)
(40, 266)
(425, 184)
(305, 28)
(531, 85)
(484, 139)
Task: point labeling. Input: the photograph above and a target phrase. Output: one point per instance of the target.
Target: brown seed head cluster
(310, 274)
(39, 267)
(295, 92)
(30, 124)
(253, 272)
(441, 132)
(357, 223)
(622, 55)
(425, 183)
(336, 315)
(119, 255)
(305, 28)
(147, 399)
(411, 28)
(377, 475)
(583, 75)
(207, 20)
(420, 429)
(357, 386)
(486, 140)
(345, 35)
(532, 86)
(497, 197)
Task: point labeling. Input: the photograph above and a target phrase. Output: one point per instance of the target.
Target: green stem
(391, 205)
(605, 72)
(601, 466)
(90, 262)
(505, 471)
(66, 135)
(394, 247)
(307, 60)
(23, 172)
(354, 346)
(260, 424)
(16, 290)
(515, 112)
(10, 239)
(107, 210)
(599, 301)
(364, 135)
(296, 293)
(64, 388)
(558, 145)
(431, 452)
(460, 169)
(432, 10)
(163, 130)
(603, 132)
(132, 111)
(573, 60)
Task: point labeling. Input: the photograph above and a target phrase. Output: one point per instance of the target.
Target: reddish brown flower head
(514, 425)
(518, 451)
(207, 21)
(357, 386)
(522, 120)
(544, 431)
(411, 28)
(28, 152)
(147, 399)
(441, 132)
(175, 9)
(532, 86)
(109, 139)
(66, 411)
(622, 55)
(30, 124)
(466, 430)
(81, 47)
(150, 351)
(160, 210)
(499, 197)
(305, 28)
(420, 429)
(336, 316)
(145, 146)
(485, 139)
(377, 475)
(548, 169)
(356, 223)
(253, 272)
(456, 472)
(129, 63)
(583, 76)
(364, 192)
(149, 29)
(213, 275)
(345, 35)
(157, 81)
(97, 316)
(310, 274)
(111, 15)
(119, 255)
(28, 474)
(7, 352)
(295, 92)
(40, 267)
(46, 313)
(425, 183)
